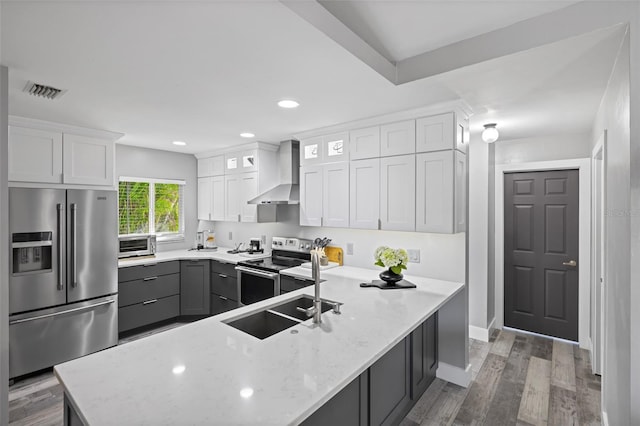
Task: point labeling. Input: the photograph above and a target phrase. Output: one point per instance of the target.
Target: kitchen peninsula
(208, 372)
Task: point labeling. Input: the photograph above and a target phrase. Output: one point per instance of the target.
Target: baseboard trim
(605, 419)
(482, 334)
(455, 375)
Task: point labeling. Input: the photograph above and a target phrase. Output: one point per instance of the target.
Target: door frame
(583, 165)
(598, 330)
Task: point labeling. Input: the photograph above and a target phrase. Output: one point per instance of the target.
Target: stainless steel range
(260, 279)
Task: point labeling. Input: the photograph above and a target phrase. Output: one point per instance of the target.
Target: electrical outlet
(414, 255)
(230, 236)
(350, 249)
(263, 239)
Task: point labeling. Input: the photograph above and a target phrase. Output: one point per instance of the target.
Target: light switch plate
(414, 255)
(350, 248)
(230, 236)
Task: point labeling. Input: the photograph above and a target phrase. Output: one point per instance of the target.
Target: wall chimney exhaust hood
(288, 191)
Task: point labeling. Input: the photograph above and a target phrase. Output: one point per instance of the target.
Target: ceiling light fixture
(178, 369)
(490, 133)
(288, 103)
(247, 135)
(179, 143)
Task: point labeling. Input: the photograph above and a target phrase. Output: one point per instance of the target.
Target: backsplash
(441, 255)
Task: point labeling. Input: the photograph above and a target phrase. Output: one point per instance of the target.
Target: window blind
(133, 208)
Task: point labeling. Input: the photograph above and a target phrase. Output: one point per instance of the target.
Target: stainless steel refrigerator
(63, 281)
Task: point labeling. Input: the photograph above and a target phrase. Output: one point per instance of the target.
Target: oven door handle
(270, 275)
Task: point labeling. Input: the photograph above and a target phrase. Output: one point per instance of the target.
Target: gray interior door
(541, 252)
(92, 244)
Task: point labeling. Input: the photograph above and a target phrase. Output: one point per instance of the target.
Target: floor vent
(43, 91)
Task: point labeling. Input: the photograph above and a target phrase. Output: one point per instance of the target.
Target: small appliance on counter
(136, 245)
(205, 240)
(255, 246)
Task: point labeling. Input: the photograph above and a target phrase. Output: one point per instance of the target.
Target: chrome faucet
(316, 309)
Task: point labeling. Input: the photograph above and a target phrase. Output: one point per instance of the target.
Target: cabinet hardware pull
(149, 278)
(55, 314)
(223, 298)
(74, 240)
(223, 276)
(60, 208)
(150, 264)
(148, 302)
(379, 224)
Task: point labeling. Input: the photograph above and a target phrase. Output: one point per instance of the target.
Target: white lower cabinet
(364, 197)
(324, 195)
(398, 193)
(440, 191)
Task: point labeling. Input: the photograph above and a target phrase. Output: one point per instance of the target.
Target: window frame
(160, 236)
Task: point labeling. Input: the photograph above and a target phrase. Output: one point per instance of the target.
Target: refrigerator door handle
(74, 252)
(60, 208)
(55, 314)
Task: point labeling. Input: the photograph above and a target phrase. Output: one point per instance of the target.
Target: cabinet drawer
(290, 284)
(148, 312)
(223, 268)
(150, 269)
(224, 285)
(220, 304)
(155, 287)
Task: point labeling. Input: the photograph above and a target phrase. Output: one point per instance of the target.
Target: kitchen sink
(304, 302)
(263, 324)
(268, 322)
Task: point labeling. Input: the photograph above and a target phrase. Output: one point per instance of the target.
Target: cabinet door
(232, 198)
(364, 182)
(248, 161)
(311, 193)
(390, 386)
(424, 356)
(398, 193)
(248, 190)
(336, 147)
(311, 151)
(460, 188)
(35, 155)
(435, 133)
(364, 143)
(462, 132)
(398, 138)
(434, 195)
(216, 165)
(217, 198)
(204, 169)
(194, 287)
(232, 163)
(87, 160)
(204, 198)
(335, 200)
(348, 407)
(220, 304)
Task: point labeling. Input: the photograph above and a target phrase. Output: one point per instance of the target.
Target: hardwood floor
(518, 379)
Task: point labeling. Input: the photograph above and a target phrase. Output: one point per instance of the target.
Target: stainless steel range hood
(288, 191)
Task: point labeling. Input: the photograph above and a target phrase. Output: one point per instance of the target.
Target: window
(151, 206)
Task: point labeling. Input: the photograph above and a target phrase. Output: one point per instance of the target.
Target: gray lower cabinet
(224, 287)
(220, 304)
(288, 283)
(424, 356)
(195, 287)
(147, 294)
(348, 407)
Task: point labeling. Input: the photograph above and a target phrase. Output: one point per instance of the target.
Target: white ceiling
(203, 72)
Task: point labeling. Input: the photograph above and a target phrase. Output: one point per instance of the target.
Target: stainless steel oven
(137, 245)
(260, 279)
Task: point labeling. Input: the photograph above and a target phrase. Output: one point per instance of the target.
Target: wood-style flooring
(518, 379)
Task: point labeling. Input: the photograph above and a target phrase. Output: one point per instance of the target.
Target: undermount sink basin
(304, 302)
(265, 323)
(262, 324)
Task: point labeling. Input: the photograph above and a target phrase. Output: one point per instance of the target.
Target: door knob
(570, 263)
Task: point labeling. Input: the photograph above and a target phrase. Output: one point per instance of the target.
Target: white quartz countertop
(166, 256)
(233, 378)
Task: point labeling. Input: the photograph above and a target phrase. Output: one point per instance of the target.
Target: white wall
(556, 147)
(151, 163)
(614, 116)
(4, 255)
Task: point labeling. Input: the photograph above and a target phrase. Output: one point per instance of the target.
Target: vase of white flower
(393, 259)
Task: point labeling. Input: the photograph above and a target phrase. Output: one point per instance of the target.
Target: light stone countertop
(167, 256)
(233, 378)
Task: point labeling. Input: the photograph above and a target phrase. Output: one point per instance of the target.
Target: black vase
(390, 277)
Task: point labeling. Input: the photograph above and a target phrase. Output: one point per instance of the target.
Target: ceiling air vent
(43, 91)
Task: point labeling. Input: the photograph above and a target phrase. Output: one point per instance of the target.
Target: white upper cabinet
(441, 132)
(88, 161)
(232, 198)
(398, 193)
(217, 198)
(211, 166)
(364, 182)
(232, 163)
(335, 195)
(325, 149)
(311, 194)
(35, 155)
(398, 138)
(248, 190)
(440, 191)
(52, 153)
(204, 198)
(364, 143)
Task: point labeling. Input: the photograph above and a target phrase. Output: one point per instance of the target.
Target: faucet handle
(309, 311)
(335, 307)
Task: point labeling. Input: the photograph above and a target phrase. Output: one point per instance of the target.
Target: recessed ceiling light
(246, 392)
(247, 135)
(179, 143)
(288, 103)
(178, 369)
